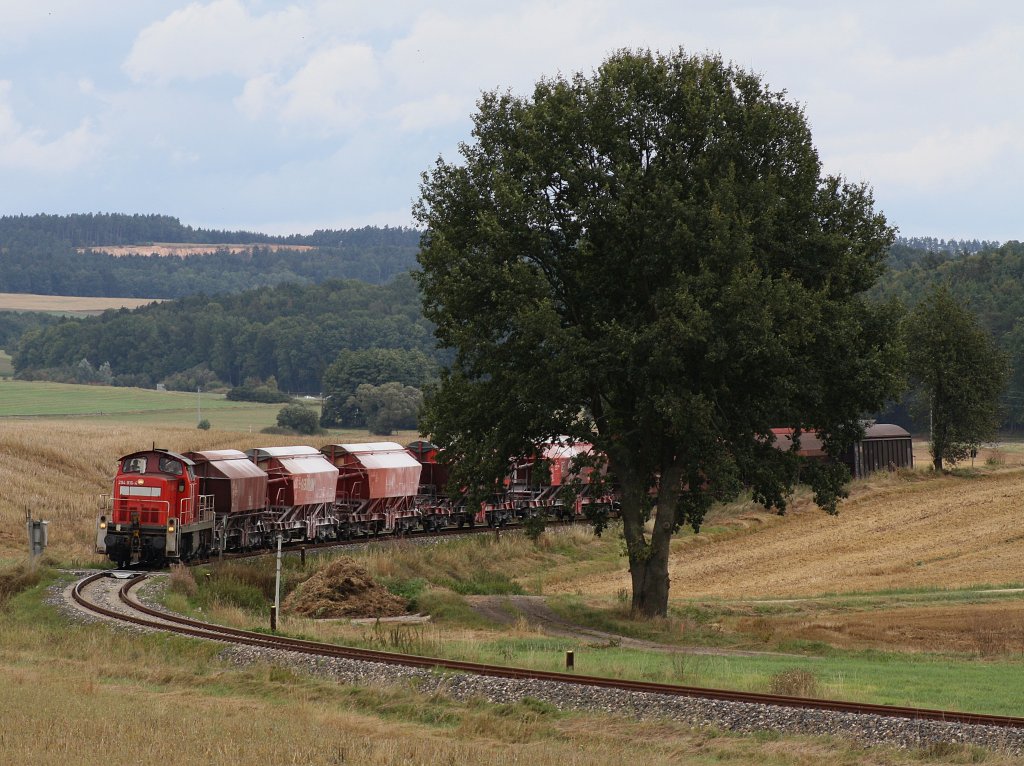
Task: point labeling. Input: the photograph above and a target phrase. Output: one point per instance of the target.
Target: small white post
(277, 579)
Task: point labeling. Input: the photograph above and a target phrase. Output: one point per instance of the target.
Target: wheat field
(895, 532)
(57, 470)
(67, 304)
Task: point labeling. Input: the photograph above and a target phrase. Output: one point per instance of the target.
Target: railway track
(132, 611)
(391, 537)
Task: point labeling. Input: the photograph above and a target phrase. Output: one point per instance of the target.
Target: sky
(286, 117)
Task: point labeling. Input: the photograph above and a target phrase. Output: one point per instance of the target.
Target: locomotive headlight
(170, 528)
(103, 522)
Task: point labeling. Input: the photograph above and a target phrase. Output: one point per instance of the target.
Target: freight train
(170, 507)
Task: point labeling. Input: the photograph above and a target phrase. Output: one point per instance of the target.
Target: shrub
(16, 579)
(204, 425)
(795, 682)
(299, 418)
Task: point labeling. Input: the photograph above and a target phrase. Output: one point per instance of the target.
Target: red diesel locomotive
(156, 511)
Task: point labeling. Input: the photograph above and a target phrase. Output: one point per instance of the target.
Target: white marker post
(277, 580)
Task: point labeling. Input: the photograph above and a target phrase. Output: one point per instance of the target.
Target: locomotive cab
(155, 511)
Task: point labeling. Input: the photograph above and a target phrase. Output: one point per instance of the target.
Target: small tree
(299, 418)
(960, 371)
(204, 425)
(387, 407)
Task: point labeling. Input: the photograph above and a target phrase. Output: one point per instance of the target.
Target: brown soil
(985, 629)
(344, 589)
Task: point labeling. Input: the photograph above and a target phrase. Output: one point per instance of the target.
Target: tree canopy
(961, 371)
(650, 259)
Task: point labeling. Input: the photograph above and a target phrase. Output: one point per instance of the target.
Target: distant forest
(290, 333)
(288, 315)
(38, 254)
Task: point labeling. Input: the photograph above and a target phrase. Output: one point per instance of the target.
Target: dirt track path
(506, 610)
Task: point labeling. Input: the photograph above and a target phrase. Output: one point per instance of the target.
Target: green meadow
(130, 405)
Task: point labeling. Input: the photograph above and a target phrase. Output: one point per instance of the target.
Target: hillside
(119, 255)
(990, 281)
(895, 532)
(290, 332)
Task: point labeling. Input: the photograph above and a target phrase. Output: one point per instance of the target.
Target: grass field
(85, 694)
(910, 596)
(6, 368)
(106, 404)
(67, 304)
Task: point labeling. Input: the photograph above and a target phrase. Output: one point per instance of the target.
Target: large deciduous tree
(961, 371)
(650, 259)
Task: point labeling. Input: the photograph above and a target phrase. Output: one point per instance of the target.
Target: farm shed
(884, 447)
(237, 485)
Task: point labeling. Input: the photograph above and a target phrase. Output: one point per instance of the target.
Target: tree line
(990, 284)
(111, 229)
(44, 260)
(291, 333)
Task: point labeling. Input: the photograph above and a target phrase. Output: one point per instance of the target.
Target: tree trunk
(648, 559)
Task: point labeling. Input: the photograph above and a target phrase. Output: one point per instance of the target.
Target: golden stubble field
(57, 470)
(181, 249)
(68, 304)
(895, 532)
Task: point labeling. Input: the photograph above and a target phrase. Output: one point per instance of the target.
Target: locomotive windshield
(170, 465)
(134, 465)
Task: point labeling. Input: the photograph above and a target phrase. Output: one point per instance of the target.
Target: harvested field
(986, 630)
(181, 249)
(57, 469)
(68, 304)
(896, 532)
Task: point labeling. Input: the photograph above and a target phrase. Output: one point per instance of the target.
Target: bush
(204, 425)
(795, 683)
(299, 418)
(16, 579)
(255, 391)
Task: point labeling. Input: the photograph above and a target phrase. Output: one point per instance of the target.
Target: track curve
(152, 618)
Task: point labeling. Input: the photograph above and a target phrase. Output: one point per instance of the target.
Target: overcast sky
(290, 116)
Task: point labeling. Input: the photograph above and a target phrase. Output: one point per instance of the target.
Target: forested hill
(290, 332)
(41, 254)
(990, 282)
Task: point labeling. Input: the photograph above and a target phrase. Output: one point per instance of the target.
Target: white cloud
(328, 93)
(437, 110)
(221, 37)
(31, 150)
(928, 161)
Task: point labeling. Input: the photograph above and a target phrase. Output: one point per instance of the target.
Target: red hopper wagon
(376, 488)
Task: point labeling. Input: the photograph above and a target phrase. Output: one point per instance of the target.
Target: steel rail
(195, 628)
